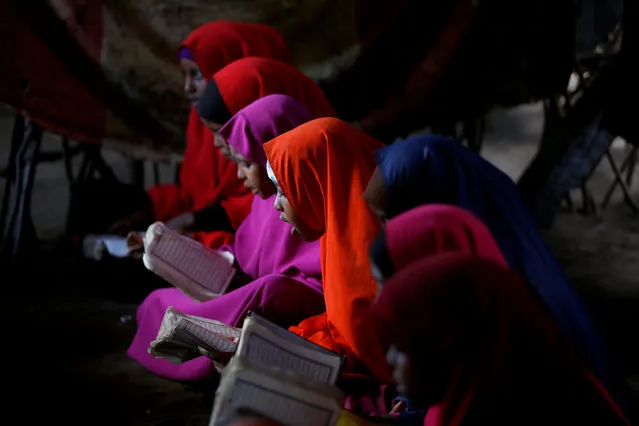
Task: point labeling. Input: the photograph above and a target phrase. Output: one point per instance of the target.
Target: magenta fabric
(262, 121)
(282, 299)
(286, 286)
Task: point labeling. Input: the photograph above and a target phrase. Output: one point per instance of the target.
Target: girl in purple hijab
(285, 271)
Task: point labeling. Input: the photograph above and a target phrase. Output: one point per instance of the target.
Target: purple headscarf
(185, 53)
(263, 243)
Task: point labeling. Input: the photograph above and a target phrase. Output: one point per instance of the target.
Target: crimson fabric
(222, 42)
(249, 79)
(34, 80)
(437, 228)
(482, 348)
(206, 177)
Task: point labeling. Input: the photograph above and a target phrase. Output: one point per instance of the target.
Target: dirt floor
(64, 344)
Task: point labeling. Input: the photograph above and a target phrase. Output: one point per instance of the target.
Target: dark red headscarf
(249, 79)
(206, 177)
(486, 348)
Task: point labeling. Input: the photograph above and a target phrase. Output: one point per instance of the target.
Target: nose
(188, 85)
(240, 173)
(277, 205)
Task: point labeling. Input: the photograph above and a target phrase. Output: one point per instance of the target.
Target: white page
(262, 344)
(182, 330)
(279, 406)
(285, 398)
(116, 246)
(211, 335)
(186, 263)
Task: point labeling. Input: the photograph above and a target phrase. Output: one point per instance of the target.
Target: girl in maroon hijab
(470, 339)
(209, 196)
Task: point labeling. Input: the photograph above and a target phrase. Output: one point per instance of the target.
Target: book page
(279, 406)
(180, 335)
(285, 334)
(200, 265)
(262, 344)
(282, 397)
(211, 335)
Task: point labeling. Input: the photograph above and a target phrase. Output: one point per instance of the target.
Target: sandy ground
(66, 353)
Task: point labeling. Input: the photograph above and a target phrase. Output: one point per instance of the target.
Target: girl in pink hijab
(285, 271)
(428, 230)
(415, 235)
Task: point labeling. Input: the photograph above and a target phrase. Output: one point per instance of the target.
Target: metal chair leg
(632, 160)
(16, 139)
(18, 215)
(620, 181)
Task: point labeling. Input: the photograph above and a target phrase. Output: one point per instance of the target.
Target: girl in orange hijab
(321, 169)
(209, 195)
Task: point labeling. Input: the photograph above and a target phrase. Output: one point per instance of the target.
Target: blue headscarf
(432, 169)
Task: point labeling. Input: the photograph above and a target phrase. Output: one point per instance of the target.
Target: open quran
(264, 342)
(184, 337)
(281, 396)
(280, 376)
(200, 272)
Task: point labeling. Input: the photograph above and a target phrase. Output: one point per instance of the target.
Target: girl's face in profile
(400, 366)
(194, 82)
(219, 142)
(254, 175)
(287, 214)
(422, 378)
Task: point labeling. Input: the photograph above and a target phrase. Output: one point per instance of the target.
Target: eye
(196, 74)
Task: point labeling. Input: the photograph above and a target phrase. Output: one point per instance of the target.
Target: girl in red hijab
(471, 339)
(241, 83)
(248, 79)
(209, 196)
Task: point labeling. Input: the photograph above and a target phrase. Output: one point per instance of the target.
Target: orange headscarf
(323, 167)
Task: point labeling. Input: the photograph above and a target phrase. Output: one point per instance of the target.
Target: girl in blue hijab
(428, 169)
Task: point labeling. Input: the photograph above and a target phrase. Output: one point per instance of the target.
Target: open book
(200, 272)
(181, 335)
(278, 395)
(266, 343)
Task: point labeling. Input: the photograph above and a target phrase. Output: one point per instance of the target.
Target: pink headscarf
(428, 230)
(263, 243)
(484, 349)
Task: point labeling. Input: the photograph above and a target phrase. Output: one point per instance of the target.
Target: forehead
(188, 64)
(236, 154)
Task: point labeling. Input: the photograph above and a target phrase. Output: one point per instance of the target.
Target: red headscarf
(485, 348)
(222, 42)
(206, 177)
(246, 80)
(323, 167)
(436, 228)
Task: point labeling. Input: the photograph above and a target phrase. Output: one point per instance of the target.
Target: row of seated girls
(417, 261)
